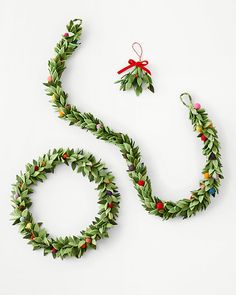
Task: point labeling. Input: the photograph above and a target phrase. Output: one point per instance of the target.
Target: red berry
(65, 156)
(66, 35)
(36, 168)
(110, 205)
(54, 250)
(88, 240)
(32, 237)
(84, 246)
(203, 138)
(141, 182)
(159, 206)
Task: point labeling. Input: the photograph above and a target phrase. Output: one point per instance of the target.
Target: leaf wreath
(108, 200)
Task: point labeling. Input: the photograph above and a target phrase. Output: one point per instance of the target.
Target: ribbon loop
(187, 104)
(142, 63)
(139, 64)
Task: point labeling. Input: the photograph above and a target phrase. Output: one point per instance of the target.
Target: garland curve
(212, 172)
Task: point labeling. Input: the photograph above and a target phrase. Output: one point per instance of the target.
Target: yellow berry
(199, 129)
(107, 181)
(61, 113)
(206, 175)
(28, 225)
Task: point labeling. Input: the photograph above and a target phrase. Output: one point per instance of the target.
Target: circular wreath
(108, 199)
(212, 172)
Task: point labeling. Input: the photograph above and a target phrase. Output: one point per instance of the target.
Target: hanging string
(185, 94)
(138, 51)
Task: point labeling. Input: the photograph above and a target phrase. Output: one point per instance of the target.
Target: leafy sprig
(137, 79)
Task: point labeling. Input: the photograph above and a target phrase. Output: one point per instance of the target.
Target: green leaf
(139, 81)
(151, 88)
(128, 85)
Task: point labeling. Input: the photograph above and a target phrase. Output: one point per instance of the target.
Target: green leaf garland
(186, 207)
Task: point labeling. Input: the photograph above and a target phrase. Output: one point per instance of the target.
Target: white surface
(191, 47)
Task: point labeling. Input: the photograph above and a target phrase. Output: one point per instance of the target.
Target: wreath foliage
(108, 199)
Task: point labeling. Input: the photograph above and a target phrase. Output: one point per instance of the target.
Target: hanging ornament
(140, 75)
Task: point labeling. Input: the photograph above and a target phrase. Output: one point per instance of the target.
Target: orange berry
(65, 156)
(206, 175)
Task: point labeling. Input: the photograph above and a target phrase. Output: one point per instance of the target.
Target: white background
(191, 46)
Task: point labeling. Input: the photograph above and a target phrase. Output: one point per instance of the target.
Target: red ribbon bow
(138, 64)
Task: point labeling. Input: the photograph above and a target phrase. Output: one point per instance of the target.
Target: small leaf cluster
(108, 200)
(137, 79)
